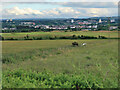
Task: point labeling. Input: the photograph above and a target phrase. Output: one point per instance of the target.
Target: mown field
(57, 64)
(109, 34)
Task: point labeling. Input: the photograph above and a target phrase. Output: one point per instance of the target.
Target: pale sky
(58, 9)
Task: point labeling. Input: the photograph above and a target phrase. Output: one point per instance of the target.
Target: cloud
(67, 10)
(74, 4)
(23, 1)
(60, 12)
(18, 11)
(93, 1)
(59, 1)
(99, 12)
(86, 4)
(55, 11)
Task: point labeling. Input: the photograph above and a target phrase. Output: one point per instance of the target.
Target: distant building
(5, 28)
(80, 23)
(33, 23)
(36, 26)
(27, 23)
(100, 21)
(47, 27)
(11, 20)
(89, 26)
(86, 22)
(72, 21)
(7, 20)
(85, 29)
(94, 26)
(72, 27)
(112, 20)
(113, 27)
(12, 28)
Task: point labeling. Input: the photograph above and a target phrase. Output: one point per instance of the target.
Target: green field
(112, 34)
(56, 63)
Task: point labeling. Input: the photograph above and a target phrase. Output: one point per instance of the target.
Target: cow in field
(75, 44)
(84, 44)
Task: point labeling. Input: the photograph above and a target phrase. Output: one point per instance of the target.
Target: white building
(113, 27)
(26, 23)
(94, 26)
(11, 20)
(72, 21)
(100, 21)
(112, 20)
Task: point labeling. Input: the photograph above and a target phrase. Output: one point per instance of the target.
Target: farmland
(56, 63)
(63, 45)
(58, 34)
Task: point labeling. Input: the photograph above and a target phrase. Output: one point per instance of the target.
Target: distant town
(71, 24)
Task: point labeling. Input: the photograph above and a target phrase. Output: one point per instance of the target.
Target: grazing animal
(75, 44)
(84, 44)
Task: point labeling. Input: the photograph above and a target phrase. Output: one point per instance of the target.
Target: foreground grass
(32, 79)
(92, 66)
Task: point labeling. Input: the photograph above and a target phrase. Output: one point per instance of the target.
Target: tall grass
(95, 65)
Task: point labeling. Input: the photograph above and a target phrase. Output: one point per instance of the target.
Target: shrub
(32, 79)
(102, 37)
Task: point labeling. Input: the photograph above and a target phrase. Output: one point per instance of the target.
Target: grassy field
(112, 34)
(59, 64)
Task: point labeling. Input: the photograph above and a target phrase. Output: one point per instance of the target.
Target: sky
(15, 10)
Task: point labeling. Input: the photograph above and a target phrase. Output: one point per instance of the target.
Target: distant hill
(113, 17)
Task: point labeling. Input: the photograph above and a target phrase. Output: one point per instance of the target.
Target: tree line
(53, 37)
